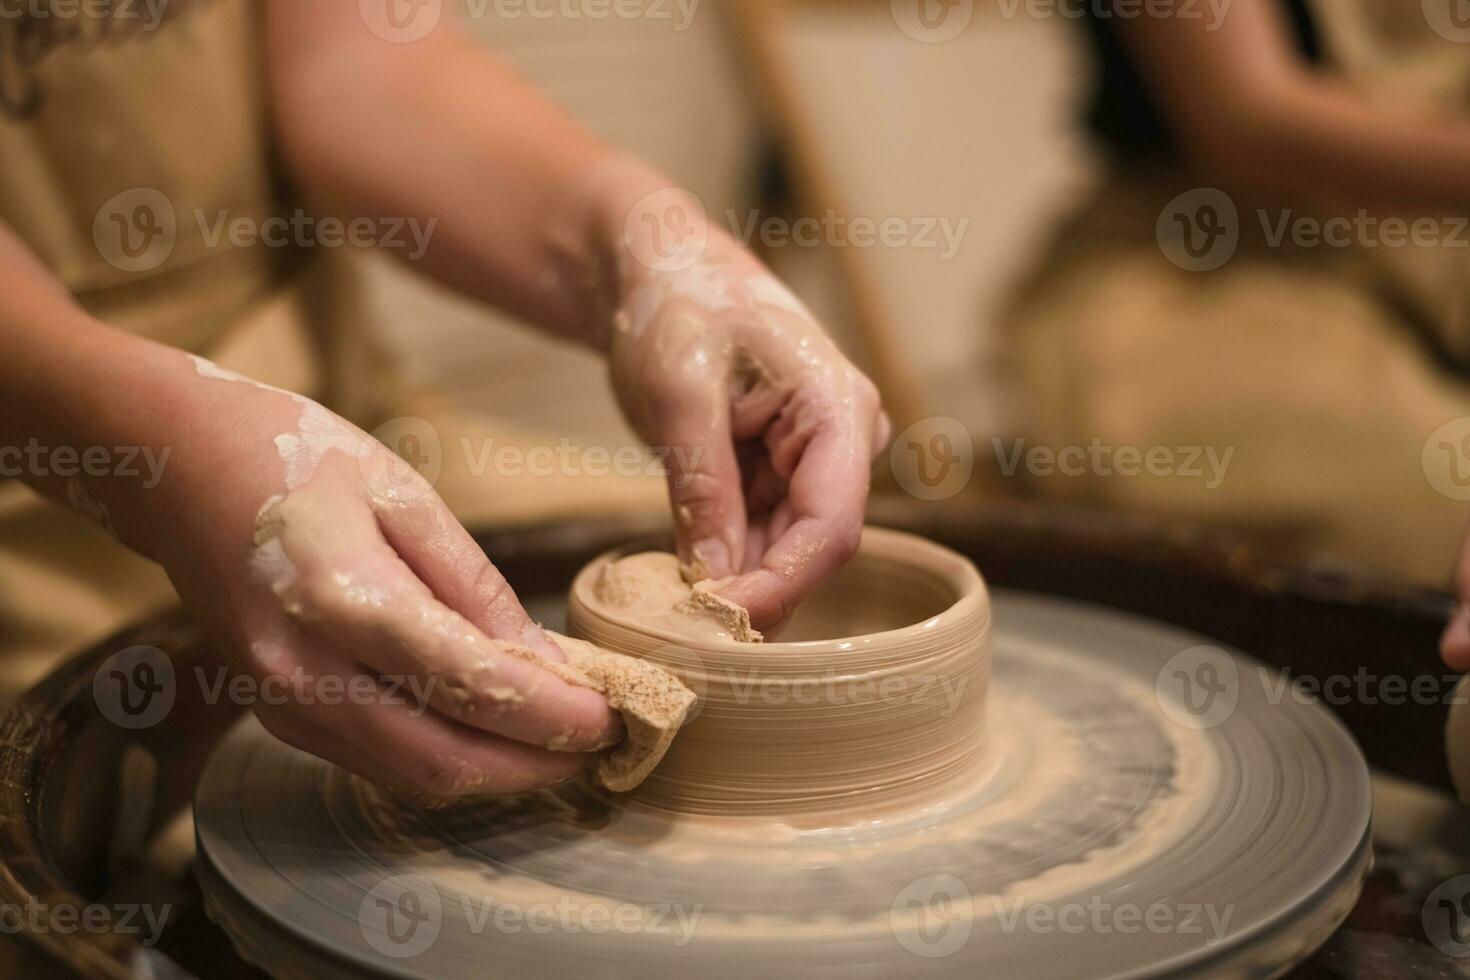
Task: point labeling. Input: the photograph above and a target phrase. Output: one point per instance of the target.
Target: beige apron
(1314, 367)
(125, 140)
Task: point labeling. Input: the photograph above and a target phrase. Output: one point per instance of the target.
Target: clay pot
(873, 697)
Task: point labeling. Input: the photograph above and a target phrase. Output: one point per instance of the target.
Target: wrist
(631, 224)
(90, 419)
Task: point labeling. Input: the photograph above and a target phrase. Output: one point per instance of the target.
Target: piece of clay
(734, 619)
(650, 588)
(651, 700)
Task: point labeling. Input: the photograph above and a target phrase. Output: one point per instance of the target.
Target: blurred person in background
(1274, 269)
(150, 354)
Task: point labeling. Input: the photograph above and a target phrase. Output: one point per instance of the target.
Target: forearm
(85, 410)
(525, 204)
(1318, 141)
(1249, 109)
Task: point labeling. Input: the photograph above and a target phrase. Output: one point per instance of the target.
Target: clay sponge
(651, 700)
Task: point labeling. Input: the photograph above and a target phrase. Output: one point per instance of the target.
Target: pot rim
(948, 566)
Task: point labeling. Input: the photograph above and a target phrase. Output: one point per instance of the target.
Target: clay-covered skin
(327, 560)
(713, 356)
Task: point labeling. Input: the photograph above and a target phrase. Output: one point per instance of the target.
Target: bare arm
(1246, 106)
(433, 129)
(69, 381)
(772, 430)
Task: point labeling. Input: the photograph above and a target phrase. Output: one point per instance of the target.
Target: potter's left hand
(769, 431)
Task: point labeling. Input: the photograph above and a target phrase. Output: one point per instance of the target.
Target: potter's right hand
(323, 566)
(771, 430)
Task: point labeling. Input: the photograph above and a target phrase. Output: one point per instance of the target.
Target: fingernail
(711, 559)
(535, 637)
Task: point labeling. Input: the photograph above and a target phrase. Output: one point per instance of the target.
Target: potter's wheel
(1110, 832)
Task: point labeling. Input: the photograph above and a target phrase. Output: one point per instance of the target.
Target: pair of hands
(312, 552)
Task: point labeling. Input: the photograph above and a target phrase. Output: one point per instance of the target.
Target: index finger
(827, 495)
